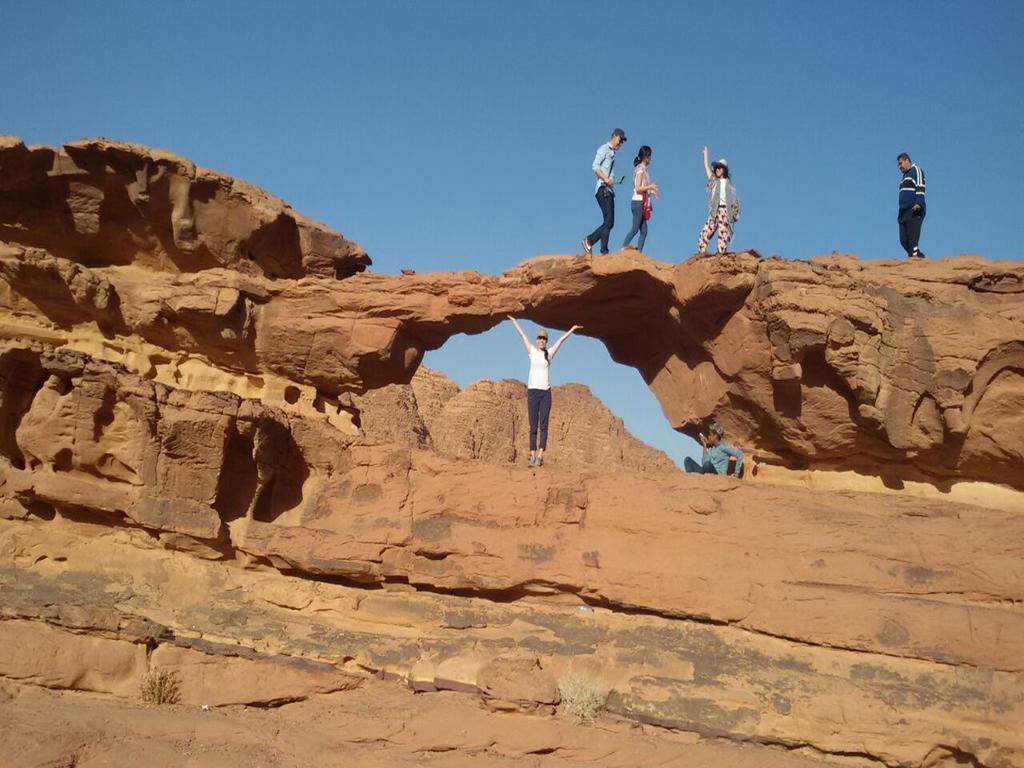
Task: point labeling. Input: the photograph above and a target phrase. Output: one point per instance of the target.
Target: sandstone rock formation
(184, 485)
(376, 726)
(103, 203)
(488, 421)
(909, 369)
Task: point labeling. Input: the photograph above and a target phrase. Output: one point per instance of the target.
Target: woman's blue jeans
(538, 406)
(639, 224)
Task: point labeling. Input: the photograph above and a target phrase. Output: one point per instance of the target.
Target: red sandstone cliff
(183, 486)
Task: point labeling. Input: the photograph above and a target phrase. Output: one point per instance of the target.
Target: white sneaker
(586, 247)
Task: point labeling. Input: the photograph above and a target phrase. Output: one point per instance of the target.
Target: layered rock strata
(731, 611)
(184, 485)
(735, 610)
(914, 370)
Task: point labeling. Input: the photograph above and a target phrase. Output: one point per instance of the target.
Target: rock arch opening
(468, 399)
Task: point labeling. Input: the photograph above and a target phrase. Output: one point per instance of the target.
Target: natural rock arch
(830, 362)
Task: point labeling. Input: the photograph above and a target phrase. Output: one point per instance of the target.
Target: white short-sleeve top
(539, 365)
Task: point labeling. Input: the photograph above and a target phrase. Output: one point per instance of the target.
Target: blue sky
(459, 135)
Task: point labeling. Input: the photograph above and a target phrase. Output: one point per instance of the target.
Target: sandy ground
(379, 724)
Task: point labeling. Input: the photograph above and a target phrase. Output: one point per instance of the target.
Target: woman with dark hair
(538, 388)
(723, 205)
(643, 191)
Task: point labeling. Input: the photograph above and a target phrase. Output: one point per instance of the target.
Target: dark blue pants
(707, 468)
(910, 229)
(639, 224)
(538, 405)
(606, 202)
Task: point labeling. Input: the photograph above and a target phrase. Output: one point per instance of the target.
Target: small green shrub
(159, 687)
(582, 696)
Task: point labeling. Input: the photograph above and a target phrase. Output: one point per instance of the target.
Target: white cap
(722, 161)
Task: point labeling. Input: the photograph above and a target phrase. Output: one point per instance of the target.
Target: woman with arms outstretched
(723, 206)
(538, 388)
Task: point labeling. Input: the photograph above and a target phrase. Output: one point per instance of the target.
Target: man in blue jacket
(715, 460)
(912, 207)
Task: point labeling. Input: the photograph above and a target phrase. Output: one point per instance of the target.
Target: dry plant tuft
(160, 687)
(583, 696)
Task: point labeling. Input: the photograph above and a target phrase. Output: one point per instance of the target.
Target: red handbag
(648, 207)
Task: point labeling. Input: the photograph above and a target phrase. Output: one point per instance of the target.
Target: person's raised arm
(563, 337)
(526, 341)
(707, 167)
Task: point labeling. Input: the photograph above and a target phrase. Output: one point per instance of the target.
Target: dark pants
(910, 229)
(639, 224)
(606, 202)
(538, 405)
(707, 468)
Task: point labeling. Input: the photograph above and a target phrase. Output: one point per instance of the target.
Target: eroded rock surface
(376, 726)
(187, 484)
(105, 203)
(914, 370)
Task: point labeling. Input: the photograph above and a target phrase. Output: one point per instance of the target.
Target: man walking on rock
(912, 207)
(604, 169)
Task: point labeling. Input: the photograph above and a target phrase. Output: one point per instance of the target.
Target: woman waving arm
(563, 337)
(526, 341)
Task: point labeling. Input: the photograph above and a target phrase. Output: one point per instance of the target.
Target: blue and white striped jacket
(912, 188)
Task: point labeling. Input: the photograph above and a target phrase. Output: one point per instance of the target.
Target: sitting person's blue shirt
(718, 455)
(715, 460)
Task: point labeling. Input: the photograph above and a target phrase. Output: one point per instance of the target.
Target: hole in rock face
(276, 247)
(62, 461)
(21, 377)
(41, 509)
(499, 354)
(104, 415)
(291, 395)
(238, 478)
(281, 470)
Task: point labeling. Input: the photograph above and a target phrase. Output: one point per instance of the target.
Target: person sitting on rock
(723, 206)
(538, 388)
(715, 459)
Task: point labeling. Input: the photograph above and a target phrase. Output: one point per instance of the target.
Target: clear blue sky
(459, 135)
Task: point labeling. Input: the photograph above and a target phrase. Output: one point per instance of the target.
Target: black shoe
(916, 255)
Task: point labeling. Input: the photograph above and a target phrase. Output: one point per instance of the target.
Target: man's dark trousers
(910, 229)
(606, 201)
